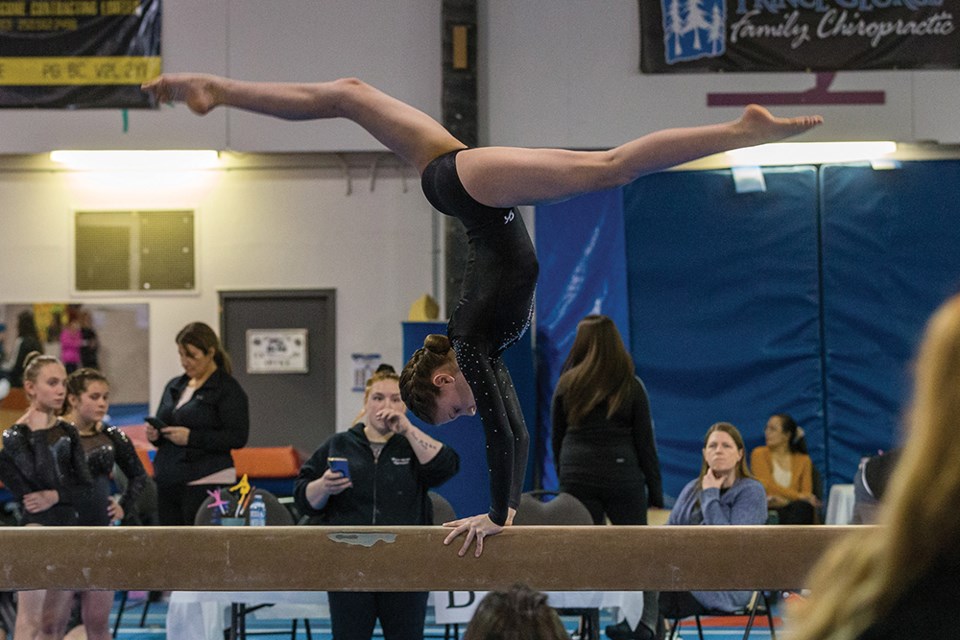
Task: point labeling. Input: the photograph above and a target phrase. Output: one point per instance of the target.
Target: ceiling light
(164, 160)
(790, 153)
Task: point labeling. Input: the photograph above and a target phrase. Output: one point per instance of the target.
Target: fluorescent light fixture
(164, 160)
(810, 153)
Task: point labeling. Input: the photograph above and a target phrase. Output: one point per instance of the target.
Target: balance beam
(548, 558)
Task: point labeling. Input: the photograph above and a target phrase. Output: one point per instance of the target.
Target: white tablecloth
(840, 504)
(203, 615)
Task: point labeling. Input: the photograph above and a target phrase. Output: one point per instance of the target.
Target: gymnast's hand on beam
(476, 527)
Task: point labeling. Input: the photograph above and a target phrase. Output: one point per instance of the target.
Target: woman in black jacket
(603, 443)
(390, 465)
(204, 415)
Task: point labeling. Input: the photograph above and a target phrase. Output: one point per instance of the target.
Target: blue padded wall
(891, 255)
(724, 307)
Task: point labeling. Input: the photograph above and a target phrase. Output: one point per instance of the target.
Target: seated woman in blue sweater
(724, 493)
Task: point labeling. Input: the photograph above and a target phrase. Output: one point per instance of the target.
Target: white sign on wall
(277, 351)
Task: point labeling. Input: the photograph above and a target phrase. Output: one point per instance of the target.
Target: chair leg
(746, 630)
(766, 603)
(674, 629)
(306, 627)
(293, 630)
(120, 608)
(146, 609)
(699, 626)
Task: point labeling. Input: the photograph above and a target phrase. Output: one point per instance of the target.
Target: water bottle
(258, 512)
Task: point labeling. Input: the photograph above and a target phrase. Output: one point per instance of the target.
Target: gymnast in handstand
(462, 373)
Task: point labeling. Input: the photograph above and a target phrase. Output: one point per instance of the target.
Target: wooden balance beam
(548, 558)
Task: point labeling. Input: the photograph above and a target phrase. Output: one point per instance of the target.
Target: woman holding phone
(203, 415)
(390, 464)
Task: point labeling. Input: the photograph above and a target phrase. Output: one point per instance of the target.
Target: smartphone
(156, 423)
(339, 464)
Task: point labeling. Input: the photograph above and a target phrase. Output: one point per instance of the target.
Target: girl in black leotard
(88, 396)
(480, 186)
(42, 465)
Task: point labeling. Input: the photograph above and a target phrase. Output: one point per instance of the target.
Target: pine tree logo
(693, 29)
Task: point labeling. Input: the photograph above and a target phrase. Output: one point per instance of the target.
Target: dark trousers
(353, 615)
(178, 504)
(622, 505)
(680, 604)
(797, 512)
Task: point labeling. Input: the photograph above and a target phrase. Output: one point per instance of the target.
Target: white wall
(271, 229)
(553, 72)
(566, 73)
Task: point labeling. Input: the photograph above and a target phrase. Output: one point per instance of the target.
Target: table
(203, 615)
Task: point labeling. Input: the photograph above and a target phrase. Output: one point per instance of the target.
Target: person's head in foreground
(432, 384)
(518, 613)
(876, 575)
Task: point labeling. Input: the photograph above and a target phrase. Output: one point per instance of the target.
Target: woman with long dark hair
(603, 444)
(786, 472)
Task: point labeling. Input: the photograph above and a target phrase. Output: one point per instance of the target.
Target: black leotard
(104, 448)
(494, 311)
(37, 460)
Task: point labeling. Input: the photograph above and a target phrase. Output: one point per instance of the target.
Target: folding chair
(751, 610)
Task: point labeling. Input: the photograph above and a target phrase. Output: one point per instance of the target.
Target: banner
(798, 35)
(78, 54)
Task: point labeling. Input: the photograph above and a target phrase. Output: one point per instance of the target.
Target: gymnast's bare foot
(199, 91)
(759, 126)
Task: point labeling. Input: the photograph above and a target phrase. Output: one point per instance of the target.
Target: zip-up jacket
(389, 491)
(218, 416)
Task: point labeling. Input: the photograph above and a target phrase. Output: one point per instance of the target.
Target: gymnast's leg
(495, 176)
(510, 176)
(410, 133)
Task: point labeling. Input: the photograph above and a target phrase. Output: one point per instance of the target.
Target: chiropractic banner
(78, 54)
(798, 35)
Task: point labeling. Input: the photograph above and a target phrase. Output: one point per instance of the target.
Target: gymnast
(43, 465)
(462, 373)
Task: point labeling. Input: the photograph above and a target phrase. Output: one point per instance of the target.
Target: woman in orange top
(786, 471)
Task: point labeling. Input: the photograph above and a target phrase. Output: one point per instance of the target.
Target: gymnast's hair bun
(437, 343)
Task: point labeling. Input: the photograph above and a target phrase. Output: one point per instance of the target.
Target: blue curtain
(807, 297)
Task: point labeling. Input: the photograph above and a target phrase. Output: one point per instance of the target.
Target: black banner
(798, 35)
(78, 54)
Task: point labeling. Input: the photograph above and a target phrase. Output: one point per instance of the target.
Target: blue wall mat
(891, 255)
(469, 491)
(724, 307)
(583, 270)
